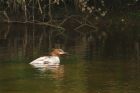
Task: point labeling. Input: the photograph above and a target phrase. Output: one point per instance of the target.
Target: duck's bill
(62, 53)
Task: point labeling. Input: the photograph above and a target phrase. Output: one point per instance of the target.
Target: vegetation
(98, 21)
(52, 11)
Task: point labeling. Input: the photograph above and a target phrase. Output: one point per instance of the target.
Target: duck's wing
(40, 60)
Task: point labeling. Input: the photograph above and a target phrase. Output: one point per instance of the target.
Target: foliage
(42, 10)
(54, 13)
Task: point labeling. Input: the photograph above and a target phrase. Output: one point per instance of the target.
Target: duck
(51, 60)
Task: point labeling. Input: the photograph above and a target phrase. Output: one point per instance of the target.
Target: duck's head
(57, 52)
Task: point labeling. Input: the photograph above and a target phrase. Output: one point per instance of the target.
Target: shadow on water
(99, 62)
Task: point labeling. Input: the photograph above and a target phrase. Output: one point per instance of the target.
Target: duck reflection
(53, 72)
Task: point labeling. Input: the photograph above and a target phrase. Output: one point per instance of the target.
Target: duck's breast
(53, 60)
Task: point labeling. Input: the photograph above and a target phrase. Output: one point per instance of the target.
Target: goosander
(52, 60)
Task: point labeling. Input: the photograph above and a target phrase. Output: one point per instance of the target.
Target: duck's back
(46, 60)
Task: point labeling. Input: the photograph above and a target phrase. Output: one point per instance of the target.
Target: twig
(85, 25)
(5, 14)
(69, 18)
(39, 7)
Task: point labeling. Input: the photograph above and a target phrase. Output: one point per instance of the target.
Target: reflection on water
(56, 72)
(87, 69)
(80, 76)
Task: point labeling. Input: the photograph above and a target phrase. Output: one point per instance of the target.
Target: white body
(46, 61)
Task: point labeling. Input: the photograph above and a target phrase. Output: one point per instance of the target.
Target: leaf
(83, 9)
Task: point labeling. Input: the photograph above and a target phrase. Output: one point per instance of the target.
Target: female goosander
(52, 60)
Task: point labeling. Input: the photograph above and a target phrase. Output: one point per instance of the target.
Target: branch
(36, 22)
(50, 11)
(39, 7)
(5, 15)
(69, 18)
(86, 25)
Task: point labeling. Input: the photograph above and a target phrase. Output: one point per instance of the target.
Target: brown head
(57, 52)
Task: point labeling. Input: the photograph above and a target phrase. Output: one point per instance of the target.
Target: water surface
(84, 70)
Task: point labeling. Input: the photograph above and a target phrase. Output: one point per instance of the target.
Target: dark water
(87, 69)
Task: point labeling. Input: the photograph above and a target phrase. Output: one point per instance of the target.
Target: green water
(79, 76)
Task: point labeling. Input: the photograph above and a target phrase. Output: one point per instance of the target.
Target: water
(84, 70)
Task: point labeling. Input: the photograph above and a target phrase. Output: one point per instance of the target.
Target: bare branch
(69, 17)
(39, 7)
(84, 25)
